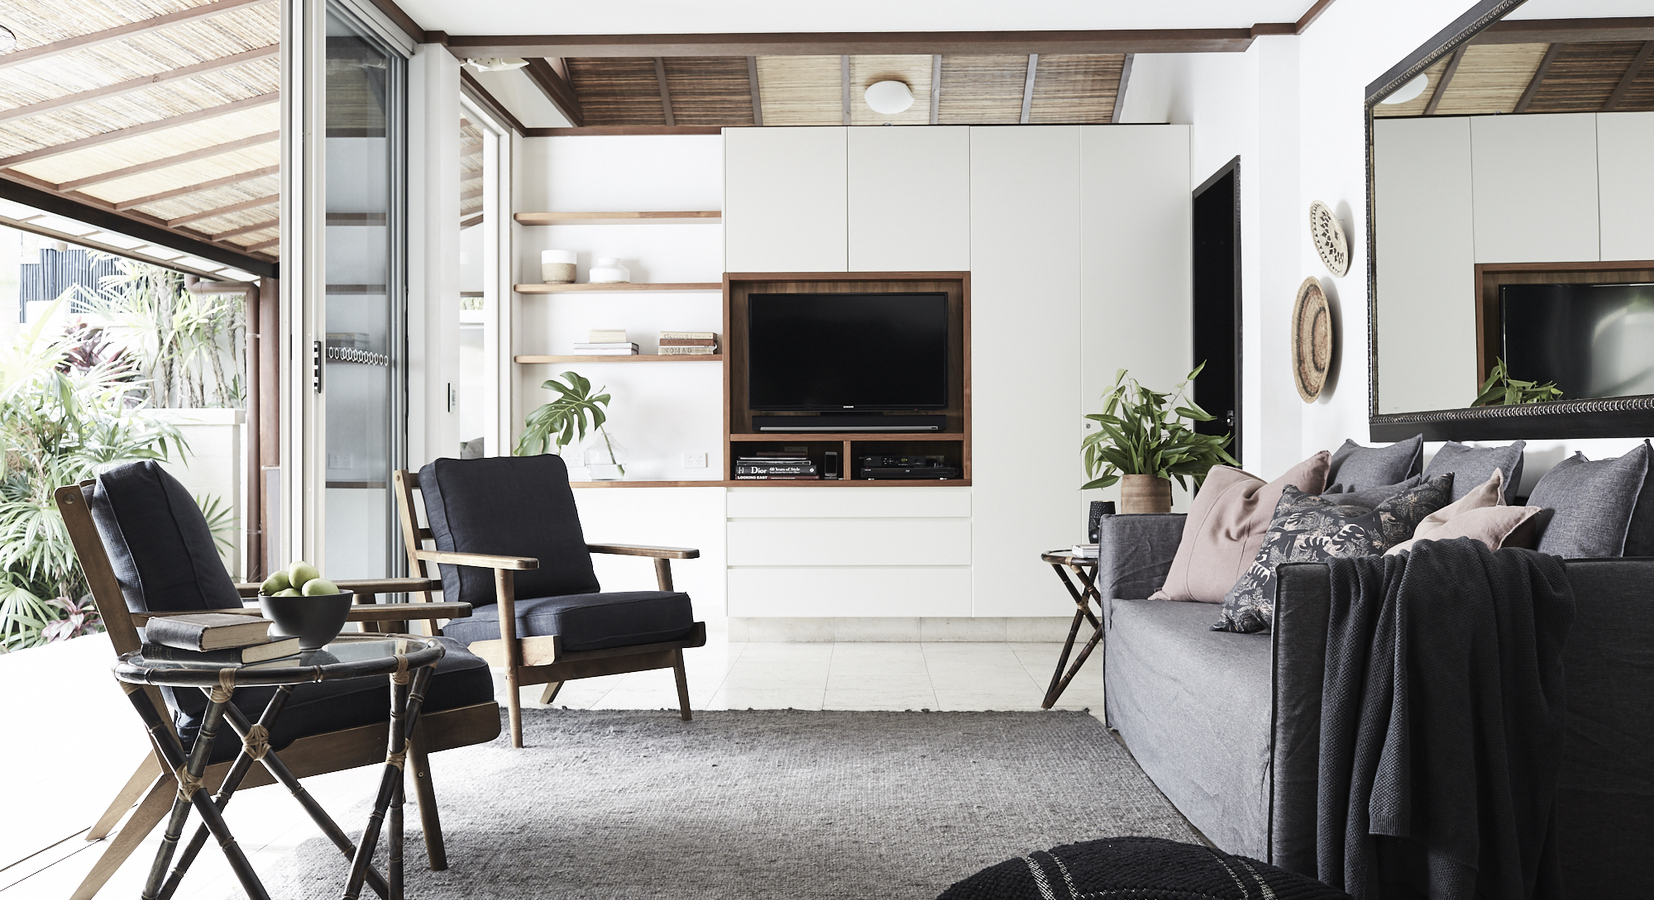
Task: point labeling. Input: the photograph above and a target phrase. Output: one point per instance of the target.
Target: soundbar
(849, 422)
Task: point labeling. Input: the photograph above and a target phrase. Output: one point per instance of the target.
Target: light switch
(694, 460)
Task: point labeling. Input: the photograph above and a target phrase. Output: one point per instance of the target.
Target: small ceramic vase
(608, 270)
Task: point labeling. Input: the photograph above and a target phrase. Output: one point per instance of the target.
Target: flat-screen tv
(842, 351)
(1593, 340)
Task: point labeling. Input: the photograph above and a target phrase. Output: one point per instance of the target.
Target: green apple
(318, 587)
(300, 572)
(288, 593)
(275, 584)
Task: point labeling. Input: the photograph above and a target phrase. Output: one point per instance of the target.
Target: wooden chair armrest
(364, 612)
(480, 560)
(645, 550)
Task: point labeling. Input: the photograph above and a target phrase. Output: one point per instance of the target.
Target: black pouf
(1139, 868)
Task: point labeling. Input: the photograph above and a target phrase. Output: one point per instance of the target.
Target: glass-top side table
(407, 659)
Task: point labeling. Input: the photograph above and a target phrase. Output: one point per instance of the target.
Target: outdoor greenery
(567, 418)
(1502, 390)
(1141, 432)
(188, 349)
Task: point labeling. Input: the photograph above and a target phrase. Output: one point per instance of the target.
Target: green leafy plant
(1502, 390)
(566, 419)
(1142, 432)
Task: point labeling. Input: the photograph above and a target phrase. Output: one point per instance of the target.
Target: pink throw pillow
(1495, 526)
(1226, 526)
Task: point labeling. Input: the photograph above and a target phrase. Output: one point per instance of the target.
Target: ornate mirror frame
(1606, 417)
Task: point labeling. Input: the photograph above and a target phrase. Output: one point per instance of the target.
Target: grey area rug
(760, 804)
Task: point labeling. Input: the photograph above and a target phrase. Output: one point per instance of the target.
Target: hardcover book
(207, 631)
(274, 648)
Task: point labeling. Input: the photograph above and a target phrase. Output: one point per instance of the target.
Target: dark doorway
(1217, 297)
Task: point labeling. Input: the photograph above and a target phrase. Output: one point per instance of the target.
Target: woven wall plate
(1311, 340)
(1330, 241)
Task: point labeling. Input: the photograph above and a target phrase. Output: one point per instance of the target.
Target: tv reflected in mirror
(1592, 340)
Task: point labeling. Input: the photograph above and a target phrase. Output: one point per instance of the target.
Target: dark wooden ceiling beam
(1538, 78)
(1567, 31)
(1310, 15)
(198, 187)
(557, 89)
(470, 84)
(138, 84)
(1631, 74)
(95, 140)
(757, 96)
(254, 203)
(1186, 40)
(257, 140)
(612, 130)
(1446, 79)
(665, 93)
(121, 32)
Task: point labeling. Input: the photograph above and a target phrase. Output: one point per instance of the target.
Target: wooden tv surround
(953, 443)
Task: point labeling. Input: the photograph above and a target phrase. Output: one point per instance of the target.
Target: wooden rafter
(263, 245)
(1538, 78)
(245, 229)
(1567, 31)
(1125, 80)
(198, 187)
(224, 210)
(752, 84)
(138, 84)
(256, 140)
(1631, 74)
(135, 130)
(1028, 88)
(557, 89)
(119, 32)
(665, 94)
(935, 87)
(1445, 79)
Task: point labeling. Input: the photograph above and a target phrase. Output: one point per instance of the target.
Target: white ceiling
(759, 16)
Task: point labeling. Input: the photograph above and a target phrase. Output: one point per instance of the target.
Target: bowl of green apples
(304, 605)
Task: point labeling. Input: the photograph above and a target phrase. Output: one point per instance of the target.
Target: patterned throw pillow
(1316, 529)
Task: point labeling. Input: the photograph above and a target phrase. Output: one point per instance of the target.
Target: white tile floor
(722, 675)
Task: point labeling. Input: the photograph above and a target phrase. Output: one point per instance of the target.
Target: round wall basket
(1311, 340)
(1330, 241)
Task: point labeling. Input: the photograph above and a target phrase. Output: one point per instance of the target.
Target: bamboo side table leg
(1082, 601)
(405, 709)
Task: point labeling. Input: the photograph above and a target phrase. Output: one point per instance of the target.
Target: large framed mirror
(1510, 188)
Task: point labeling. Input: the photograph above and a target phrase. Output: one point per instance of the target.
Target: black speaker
(829, 465)
(1099, 508)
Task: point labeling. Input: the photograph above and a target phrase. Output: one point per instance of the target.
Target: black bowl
(313, 620)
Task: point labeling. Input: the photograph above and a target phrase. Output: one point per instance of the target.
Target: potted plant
(1142, 442)
(1502, 390)
(567, 419)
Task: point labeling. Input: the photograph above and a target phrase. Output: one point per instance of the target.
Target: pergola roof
(163, 113)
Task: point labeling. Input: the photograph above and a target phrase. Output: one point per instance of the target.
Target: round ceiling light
(1408, 91)
(888, 98)
(8, 40)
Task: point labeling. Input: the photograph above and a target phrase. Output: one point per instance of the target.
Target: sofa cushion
(1593, 500)
(1493, 526)
(1474, 465)
(587, 621)
(1639, 536)
(1316, 529)
(1226, 523)
(1354, 467)
(1193, 706)
(158, 542)
(507, 506)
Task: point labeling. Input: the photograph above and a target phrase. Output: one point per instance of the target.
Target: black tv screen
(821, 352)
(1593, 340)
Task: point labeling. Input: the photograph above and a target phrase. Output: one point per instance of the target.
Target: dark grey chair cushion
(1593, 500)
(1354, 467)
(158, 542)
(1472, 466)
(1639, 536)
(589, 621)
(507, 506)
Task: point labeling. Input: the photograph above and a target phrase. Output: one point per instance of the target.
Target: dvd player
(908, 473)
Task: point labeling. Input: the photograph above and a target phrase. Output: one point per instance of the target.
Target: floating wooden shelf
(591, 357)
(656, 217)
(957, 482)
(797, 437)
(599, 288)
(647, 484)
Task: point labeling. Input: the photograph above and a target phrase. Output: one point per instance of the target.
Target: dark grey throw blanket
(1441, 724)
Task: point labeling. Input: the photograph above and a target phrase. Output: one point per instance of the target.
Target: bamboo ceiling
(1539, 77)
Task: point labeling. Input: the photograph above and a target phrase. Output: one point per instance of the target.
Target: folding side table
(1070, 568)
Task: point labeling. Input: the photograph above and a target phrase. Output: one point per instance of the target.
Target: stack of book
(215, 638)
(688, 343)
(606, 342)
(765, 467)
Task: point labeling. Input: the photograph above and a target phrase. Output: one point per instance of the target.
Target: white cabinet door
(910, 199)
(1426, 262)
(1536, 188)
(1626, 184)
(785, 206)
(1025, 364)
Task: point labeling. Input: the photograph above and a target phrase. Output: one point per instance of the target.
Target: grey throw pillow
(1355, 467)
(1639, 536)
(1316, 529)
(1473, 465)
(1373, 496)
(1593, 500)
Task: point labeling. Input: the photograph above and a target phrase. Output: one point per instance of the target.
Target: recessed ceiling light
(889, 98)
(1408, 91)
(8, 40)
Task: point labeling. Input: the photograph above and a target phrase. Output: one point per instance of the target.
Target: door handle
(318, 364)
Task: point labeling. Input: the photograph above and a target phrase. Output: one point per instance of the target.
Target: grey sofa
(1228, 725)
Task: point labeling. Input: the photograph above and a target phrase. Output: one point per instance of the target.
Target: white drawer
(849, 542)
(851, 591)
(849, 502)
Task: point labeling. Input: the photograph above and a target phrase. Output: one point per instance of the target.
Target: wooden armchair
(538, 611)
(468, 716)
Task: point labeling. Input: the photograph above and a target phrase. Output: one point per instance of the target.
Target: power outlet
(694, 460)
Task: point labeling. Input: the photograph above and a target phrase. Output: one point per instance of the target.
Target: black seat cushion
(507, 506)
(1136, 867)
(461, 679)
(589, 621)
(158, 542)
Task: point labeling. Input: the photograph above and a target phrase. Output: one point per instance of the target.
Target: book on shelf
(689, 335)
(607, 345)
(606, 335)
(272, 648)
(617, 351)
(772, 459)
(739, 477)
(776, 470)
(688, 342)
(669, 350)
(207, 631)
